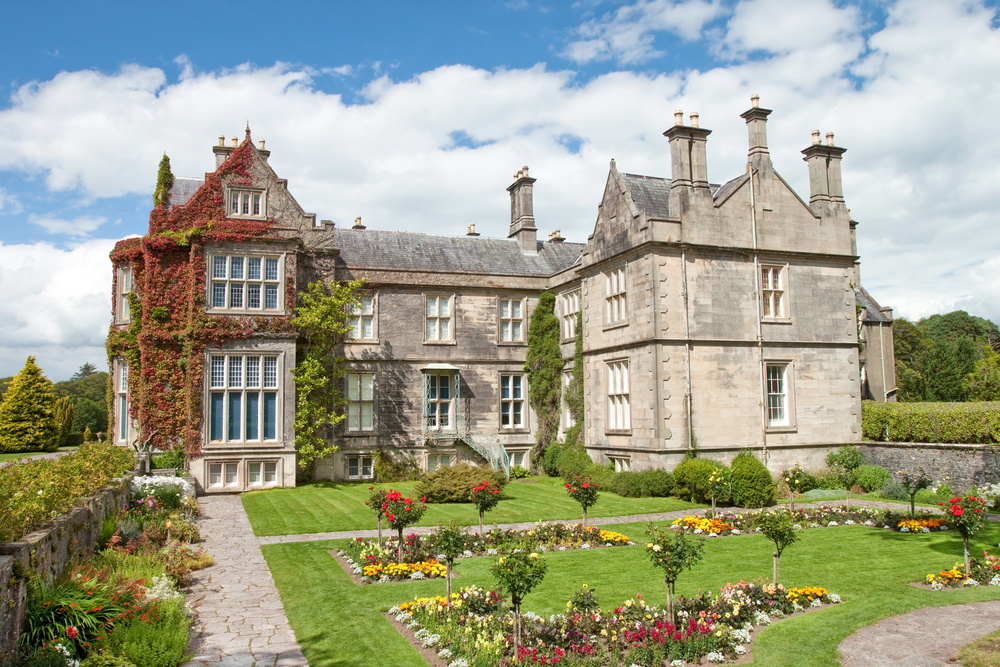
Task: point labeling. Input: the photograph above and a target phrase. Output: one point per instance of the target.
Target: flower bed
(421, 557)
(984, 572)
(805, 518)
(475, 628)
(922, 525)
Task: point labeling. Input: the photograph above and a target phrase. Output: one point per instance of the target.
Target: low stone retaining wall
(47, 552)
(960, 466)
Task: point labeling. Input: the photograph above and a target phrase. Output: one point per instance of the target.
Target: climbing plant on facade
(544, 364)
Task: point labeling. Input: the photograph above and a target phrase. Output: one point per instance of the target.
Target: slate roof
(650, 193)
(726, 187)
(184, 188)
(374, 249)
(872, 309)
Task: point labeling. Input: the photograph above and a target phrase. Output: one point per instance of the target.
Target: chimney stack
(522, 217)
(688, 163)
(556, 237)
(357, 224)
(756, 119)
(222, 151)
(471, 230)
(825, 185)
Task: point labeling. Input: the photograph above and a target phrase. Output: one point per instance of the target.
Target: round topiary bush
(691, 479)
(752, 483)
(872, 478)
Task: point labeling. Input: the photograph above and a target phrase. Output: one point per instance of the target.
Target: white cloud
(57, 305)
(9, 203)
(79, 226)
(785, 26)
(628, 34)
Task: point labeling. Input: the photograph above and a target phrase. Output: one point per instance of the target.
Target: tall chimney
(688, 163)
(825, 184)
(522, 218)
(756, 119)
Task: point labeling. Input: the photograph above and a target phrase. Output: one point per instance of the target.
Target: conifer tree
(65, 413)
(27, 414)
(164, 183)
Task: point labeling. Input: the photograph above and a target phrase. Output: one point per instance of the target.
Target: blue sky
(376, 109)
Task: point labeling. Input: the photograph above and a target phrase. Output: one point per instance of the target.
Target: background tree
(778, 527)
(87, 388)
(543, 365)
(376, 503)
(64, 414)
(164, 183)
(322, 319)
(983, 383)
(910, 346)
(914, 483)
(672, 552)
(27, 414)
(85, 371)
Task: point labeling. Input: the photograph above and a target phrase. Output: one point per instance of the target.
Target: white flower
(943, 528)
(970, 582)
(736, 531)
(715, 656)
(444, 654)
(925, 529)
(760, 618)
(393, 610)
(562, 548)
(848, 523)
(466, 554)
(712, 535)
(677, 663)
(698, 531)
(461, 662)
(584, 546)
(869, 523)
(431, 640)
(491, 552)
(816, 603)
(403, 617)
(797, 527)
(995, 581)
(936, 586)
(832, 523)
(740, 650)
(441, 558)
(417, 575)
(413, 624)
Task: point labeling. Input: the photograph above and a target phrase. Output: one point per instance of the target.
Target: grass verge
(338, 623)
(984, 652)
(322, 507)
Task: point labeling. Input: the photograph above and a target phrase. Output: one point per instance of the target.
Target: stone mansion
(714, 317)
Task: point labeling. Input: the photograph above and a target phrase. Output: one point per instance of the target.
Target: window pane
(219, 266)
(253, 296)
(432, 329)
(271, 372)
(444, 460)
(516, 333)
(505, 413)
(504, 308)
(246, 203)
(445, 329)
(256, 204)
(432, 387)
(253, 473)
(124, 377)
(215, 474)
(765, 278)
(234, 415)
(270, 268)
(445, 388)
(235, 372)
(270, 472)
(515, 309)
(367, 419)
(218, 376)
(215, 419)
(218, 295)
(367, 305)
(253, 268)
(236, 268)
(270, 414)
(445, 415)
(432, 306)
(231, 469)
(504, 386)
(367, 380)
(516, 388)
(122, 417)
(353, 389)
(235, 295)
(352, 467)
(271, 297)
(443, 304)
(517, 414)
(253, 416)
(505, 331)
(366, 466)
(366, 328)
(353, 416)
(234, 206)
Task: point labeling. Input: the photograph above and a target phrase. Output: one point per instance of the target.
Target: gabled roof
(873, 311)
(374, 249)
(721, 191)
(650, 193)
(183, 189)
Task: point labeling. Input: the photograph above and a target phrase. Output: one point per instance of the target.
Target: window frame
(261, 388)
(227, 283)
(788, 425)
(621, 463)
(767, 294)
(521, 321)
(569, 309)
(524, 453)
(356, 312)
(566, 421)
(360, 457)
(263, 463)
(437, 455)
(618, 404)
(124, 426)
(454, 382)
(451, 317)
(224, 467)
(249, 192)
(616, 296)
(124, 287)
(360, 402)
(521, 402)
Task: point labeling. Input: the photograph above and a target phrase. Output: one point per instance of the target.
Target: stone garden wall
(960, 466)
(47, 552)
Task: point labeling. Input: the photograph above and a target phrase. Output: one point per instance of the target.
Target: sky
(415, 116)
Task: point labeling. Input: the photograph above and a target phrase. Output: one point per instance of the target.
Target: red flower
(585, 485)
(959, 511)
(408, 500)
(72, 632)
(424, 499)
(941, 503)
(567, 486)
(955, 500)
(406, 509)
(391, 517)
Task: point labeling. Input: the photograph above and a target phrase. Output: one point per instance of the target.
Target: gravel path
(240, 620)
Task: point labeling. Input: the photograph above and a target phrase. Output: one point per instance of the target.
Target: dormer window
(247, 203)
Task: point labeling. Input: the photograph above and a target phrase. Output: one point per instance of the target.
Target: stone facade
(714, 318)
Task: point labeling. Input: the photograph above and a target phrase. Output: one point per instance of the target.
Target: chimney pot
(829, 139)
(222, 141)
(235, 142)
(755, 101)
(357, 223)
(262, 144)
(679, 117)
(471, 230)
(694, 119)
(816, 139)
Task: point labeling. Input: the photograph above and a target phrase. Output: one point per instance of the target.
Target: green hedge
(953, 423)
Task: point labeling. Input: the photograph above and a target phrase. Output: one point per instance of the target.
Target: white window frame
(566, 421)
(615, 297)
(439, 314)
(511, 320)
(622, 463)
(619, 405)
(247, 381)
(513, 401)
(249, 203)
(362, 318)
(437, 460)
(264, 469)
(219, 474)
(774, 292)
(433, 402)
(525, 458)
(359, 403)
(124, 425)
(363, 465)
(124, 309)
(779, 390)
(242, 289)
(569, 308)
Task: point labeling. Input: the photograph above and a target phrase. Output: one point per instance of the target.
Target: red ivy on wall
(164, 345)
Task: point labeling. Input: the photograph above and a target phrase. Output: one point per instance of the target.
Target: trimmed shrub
(752, 483)
(454, 484)
(171, 459)
(952, 423)
(872, 478)
(691, 478)
(646, 483)
(574, 461)
(893, 490)
(847, 457)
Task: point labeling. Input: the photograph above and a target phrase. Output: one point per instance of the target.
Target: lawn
(327, 506)
(338, 623)
(21, 455)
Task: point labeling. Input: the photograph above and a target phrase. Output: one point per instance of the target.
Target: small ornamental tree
(376, 503)
(164, 183)
(720, 483)
(401, 512)
(27, 414)
(583, 491)
(485, 497)
(519, 573)
(965, 514)
(778, 527)
(672, 552)
(913, 483)
(65, 413)
(450, 541)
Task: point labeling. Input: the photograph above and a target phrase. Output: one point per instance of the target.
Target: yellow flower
(604, 632)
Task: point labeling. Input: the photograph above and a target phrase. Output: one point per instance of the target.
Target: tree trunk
(776, 557)
(913, 513)
(380, 530)
(713, 505)
(447, 579)
(480, 522)
(517, 627)
(968, 564)
(670, 605)
(848, 500)
(584, 517)
(399, 547)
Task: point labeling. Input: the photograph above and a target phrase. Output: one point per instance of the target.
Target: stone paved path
(928, 637)
(240, 622)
